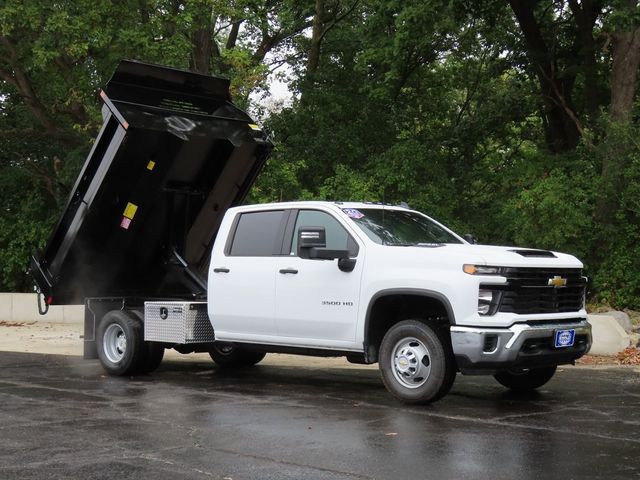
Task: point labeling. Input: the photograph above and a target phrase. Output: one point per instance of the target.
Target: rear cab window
(258, 234)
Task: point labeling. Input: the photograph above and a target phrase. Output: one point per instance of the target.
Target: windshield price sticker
(353, 213)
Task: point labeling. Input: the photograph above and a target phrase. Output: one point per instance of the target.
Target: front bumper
(523, 345)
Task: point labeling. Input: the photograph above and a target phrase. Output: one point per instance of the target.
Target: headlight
(485, 298)
(481, 270)
(488, 301)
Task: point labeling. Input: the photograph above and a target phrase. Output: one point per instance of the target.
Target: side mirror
(470, 238)
(347, 264)
(312, 243)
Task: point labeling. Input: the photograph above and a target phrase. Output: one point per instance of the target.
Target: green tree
(491, 116)
(513, 120)
(54, 57)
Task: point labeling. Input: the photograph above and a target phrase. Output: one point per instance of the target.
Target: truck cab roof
(321, 203)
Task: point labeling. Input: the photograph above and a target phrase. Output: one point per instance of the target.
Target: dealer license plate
(565, 338)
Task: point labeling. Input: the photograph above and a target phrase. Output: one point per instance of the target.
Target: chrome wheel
(230, 355)
(114, 343)
(411, 362)
(120, 344)
(224, 349)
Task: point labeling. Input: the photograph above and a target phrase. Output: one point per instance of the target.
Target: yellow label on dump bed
(130, 210)
(151, 165)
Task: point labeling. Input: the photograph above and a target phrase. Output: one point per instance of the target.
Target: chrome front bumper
(521, 345)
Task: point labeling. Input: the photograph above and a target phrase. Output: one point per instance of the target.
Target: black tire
(416, 362)
(120, 343)
(153, 357)
(153, 352)
(229, 356)
(525, 380)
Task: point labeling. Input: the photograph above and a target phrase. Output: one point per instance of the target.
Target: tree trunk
(563, 129)
(233, 35)
(585, 16)
(202, 41)
(202, 48)
(22, 83)
(624, 73)
(317, 33)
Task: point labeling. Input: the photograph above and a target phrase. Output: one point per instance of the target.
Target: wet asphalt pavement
(61, 417)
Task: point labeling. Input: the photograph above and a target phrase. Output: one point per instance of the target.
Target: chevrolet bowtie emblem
(557, 282)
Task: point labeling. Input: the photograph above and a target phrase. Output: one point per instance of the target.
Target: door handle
(289, 270)
(221, 270)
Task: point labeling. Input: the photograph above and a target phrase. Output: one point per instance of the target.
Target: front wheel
(230, 356)
(526, 379)
(416, 362)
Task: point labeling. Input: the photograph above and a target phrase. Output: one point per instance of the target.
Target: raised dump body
(172, 155)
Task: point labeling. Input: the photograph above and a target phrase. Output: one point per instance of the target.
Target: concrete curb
(23, 307)
(609, 338)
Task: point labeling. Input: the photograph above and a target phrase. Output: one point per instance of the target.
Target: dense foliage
(516, 121)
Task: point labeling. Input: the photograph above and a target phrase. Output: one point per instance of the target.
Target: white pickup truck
(386, 284)
(154, 211)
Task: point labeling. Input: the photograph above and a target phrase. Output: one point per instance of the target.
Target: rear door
(242, 278)
(317, 303)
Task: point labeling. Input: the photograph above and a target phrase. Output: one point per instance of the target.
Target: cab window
(337, 236)
(258, 234)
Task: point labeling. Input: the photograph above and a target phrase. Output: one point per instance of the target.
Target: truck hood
(517, 257)
(486, 255)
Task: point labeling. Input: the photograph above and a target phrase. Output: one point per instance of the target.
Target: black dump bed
(172, 155)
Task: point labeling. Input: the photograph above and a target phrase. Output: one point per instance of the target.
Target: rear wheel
(120, 343)
(153, 352)
(230, 356)
(416, 362)
(154, 356)
(525, 380)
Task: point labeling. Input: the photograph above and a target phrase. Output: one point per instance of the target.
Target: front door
(317, 303)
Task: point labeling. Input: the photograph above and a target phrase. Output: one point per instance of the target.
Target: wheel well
(387, 310)
(97, 307)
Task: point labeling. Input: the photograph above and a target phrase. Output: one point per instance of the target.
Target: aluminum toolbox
(177, 322)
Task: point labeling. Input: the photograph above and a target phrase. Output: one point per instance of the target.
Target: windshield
(399, 227)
